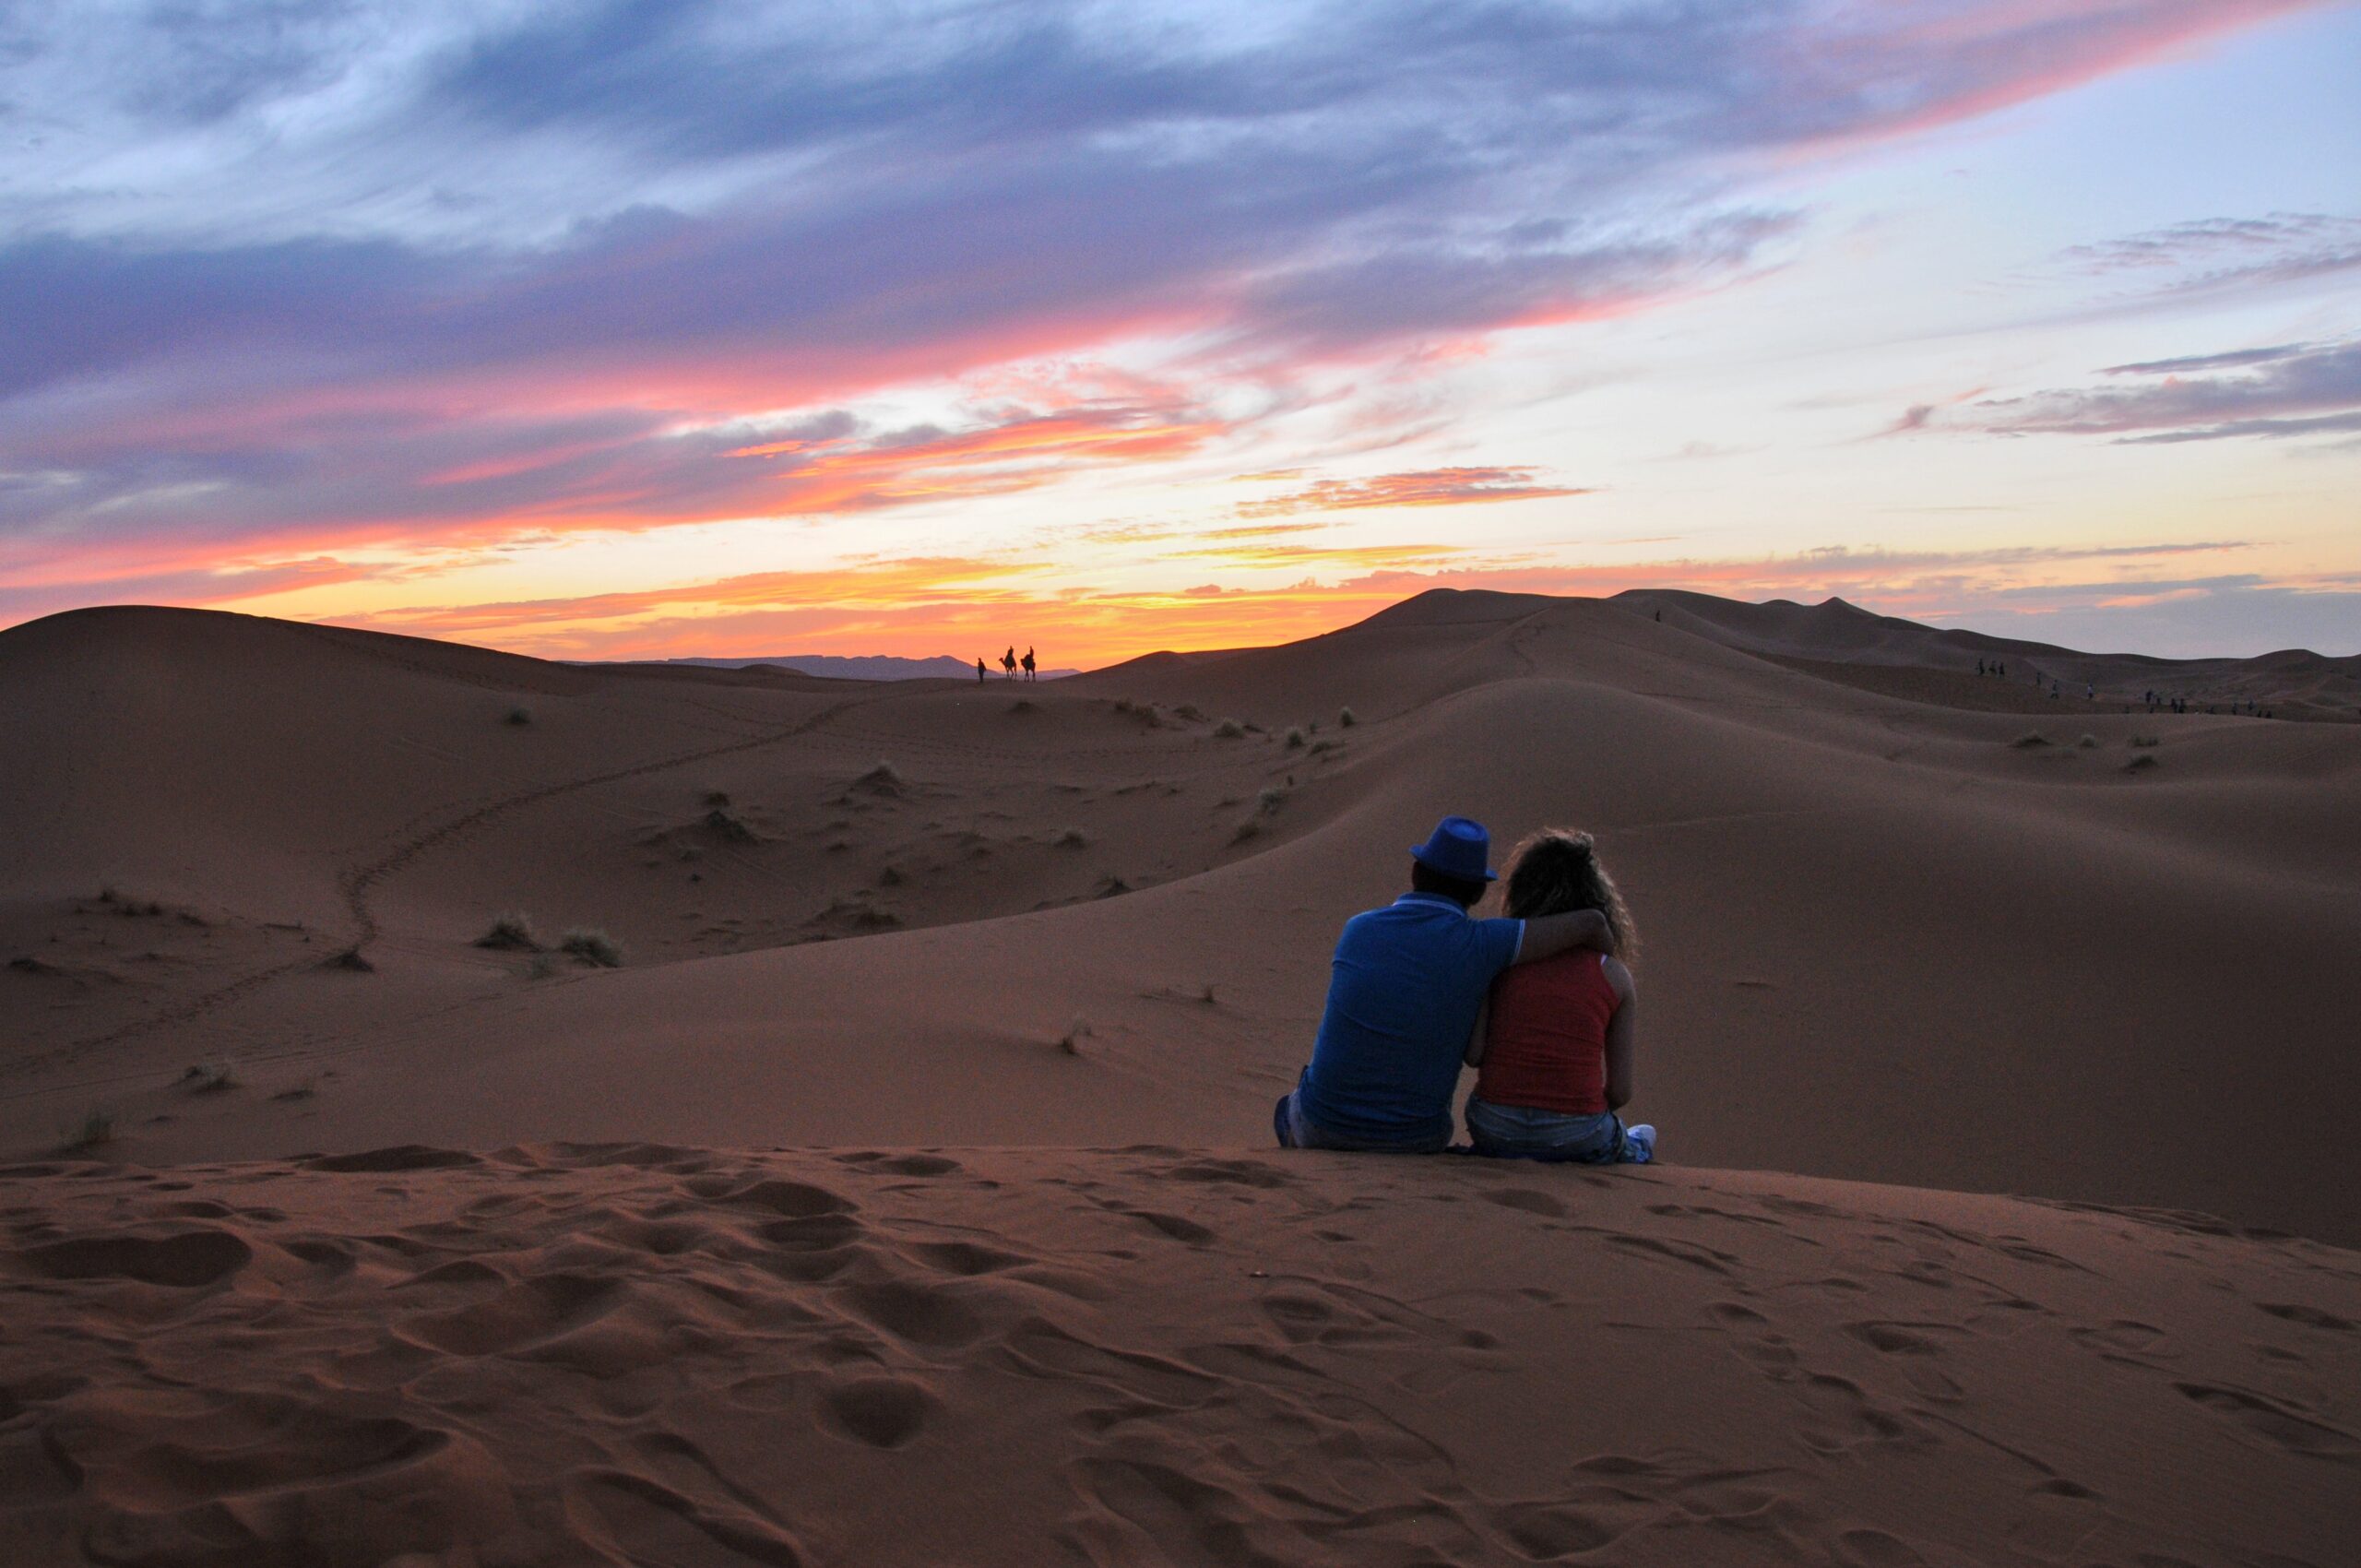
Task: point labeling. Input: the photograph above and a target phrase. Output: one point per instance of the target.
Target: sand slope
(635, 1354)
(1885, 941)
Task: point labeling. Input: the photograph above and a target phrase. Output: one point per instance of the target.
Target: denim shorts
(1295, 1130)
(1517, 1131)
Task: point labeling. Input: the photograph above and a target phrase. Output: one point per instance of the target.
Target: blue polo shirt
(1402, 993)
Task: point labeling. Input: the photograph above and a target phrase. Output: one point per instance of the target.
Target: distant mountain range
(875, 667)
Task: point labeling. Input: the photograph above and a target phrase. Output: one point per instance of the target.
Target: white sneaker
(1640, 1143)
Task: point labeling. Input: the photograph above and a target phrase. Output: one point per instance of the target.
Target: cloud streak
(2276, 393)
(1423, 487)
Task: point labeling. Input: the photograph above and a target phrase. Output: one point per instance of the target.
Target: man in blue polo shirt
(1404, 993)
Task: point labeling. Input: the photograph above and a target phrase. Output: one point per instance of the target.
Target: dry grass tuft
(210, 1077)
(95, 1130)
(1229, 730)
(2141, 764)
(1072, 838)
(511, 931)
(2031, 740)
(1295, 738)
(2143, 741)
(883, 779)
(353, 959)
(1344, 717)
(590, 946)
(520, 717)
(728, 827)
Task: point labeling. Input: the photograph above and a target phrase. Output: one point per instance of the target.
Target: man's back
(1403, 990)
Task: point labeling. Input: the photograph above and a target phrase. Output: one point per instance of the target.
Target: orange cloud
(1423, 487)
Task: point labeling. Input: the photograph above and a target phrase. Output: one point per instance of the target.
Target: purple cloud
(2276, 393)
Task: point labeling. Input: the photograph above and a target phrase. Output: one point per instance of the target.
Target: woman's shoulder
(1617, 974)
(1576, 966)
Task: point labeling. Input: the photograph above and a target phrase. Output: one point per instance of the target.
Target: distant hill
(874, 667)
(1832, 633)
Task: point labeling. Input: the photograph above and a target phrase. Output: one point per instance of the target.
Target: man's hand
(1545, 936)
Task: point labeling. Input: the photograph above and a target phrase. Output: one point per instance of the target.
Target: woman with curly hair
(1554, 1053)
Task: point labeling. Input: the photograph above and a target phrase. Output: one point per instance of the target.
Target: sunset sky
(642, 329)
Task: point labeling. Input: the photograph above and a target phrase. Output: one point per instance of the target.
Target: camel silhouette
(1008, 663)
(1027, 663)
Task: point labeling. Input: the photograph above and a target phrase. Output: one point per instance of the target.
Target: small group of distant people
(2244, 708)
(1540, 1002)
(1009, 664)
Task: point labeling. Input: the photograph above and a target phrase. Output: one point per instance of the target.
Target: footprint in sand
(880, 1412)
(186, 1261)
(524, 1316)
(2310, 1318)
(1874, 1549)
(2286, 1429)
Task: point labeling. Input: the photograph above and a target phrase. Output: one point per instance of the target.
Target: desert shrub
(96, 1127)
(1023, 705)
(210, 1077)
(1191, 712)
(511, 931)
(1344, 717)
(1229, 730)
(1248, 829)
(729, 825)
(541, 967)
(2144, 741)
(2139, 764)
(590, 946)
(124, 904)
(1072, 838)
(1295, 738)
(2031, 740)
(1270, 798)
(520, 717)
(716, 797)
(890, 878)
(883, 779)
(352, 958)
(2088, 742)
(1320, 746)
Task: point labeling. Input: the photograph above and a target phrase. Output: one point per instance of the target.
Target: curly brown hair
(1556, 870)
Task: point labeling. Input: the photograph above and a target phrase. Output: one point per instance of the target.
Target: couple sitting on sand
(1538, 1002)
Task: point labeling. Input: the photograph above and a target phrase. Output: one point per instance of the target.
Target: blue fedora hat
(1458, 847)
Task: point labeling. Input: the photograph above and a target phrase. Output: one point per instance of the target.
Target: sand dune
(1887, 940)
(640, 1354)
(1898, 930)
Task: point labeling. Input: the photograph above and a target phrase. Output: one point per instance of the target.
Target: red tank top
(1546, 1041)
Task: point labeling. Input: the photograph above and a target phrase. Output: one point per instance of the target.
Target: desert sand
(904, 1194)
